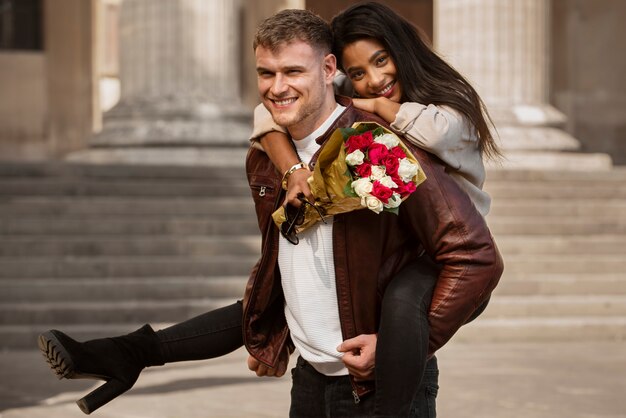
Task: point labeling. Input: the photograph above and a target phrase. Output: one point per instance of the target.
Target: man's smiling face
(293, 85)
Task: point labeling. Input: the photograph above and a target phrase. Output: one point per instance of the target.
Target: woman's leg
(425, 400)
(403, 334)
(212, 334)
(120, 360)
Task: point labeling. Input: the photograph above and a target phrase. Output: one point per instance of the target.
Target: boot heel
(102, 395)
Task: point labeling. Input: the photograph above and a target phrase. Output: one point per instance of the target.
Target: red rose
(377, 152)
(363, 170)
(359, 142)
(405, 189)
(397, 152)
(391, 164)
(383, 193)
(396, 179)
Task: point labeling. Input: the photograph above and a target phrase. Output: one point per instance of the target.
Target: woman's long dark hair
(425, 77)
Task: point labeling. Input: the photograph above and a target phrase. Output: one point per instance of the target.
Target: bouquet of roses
(382, 173)
(365, 166)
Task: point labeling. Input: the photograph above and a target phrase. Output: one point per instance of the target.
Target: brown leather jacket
(369, 249)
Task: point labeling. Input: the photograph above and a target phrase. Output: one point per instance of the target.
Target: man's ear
(330, 67)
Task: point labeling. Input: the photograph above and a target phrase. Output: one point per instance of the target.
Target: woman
(120, 360)
(431, 105)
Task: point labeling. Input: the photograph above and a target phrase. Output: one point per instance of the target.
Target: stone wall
(22, 105)
(588, 73)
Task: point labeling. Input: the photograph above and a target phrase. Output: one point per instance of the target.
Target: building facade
(78, 74)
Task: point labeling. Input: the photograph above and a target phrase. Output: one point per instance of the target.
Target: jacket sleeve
(440, 130)
(456, 236)
(263, 123)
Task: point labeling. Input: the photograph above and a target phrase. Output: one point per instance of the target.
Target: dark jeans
(424, 403)
(314, 395)
(212, 334)
(402, 345)
(401, 349)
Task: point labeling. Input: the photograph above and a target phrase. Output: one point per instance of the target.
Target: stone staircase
(563, 238)
(101, 249)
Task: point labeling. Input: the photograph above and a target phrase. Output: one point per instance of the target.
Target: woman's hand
(297, 183)
(369, 105)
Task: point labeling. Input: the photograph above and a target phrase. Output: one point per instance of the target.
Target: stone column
(503, 48)
(179, 76)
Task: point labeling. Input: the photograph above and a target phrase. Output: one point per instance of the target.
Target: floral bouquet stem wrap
(365, 166)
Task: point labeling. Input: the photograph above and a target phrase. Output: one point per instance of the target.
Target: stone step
(116, 170)
(81, 207)
(589, 209)
(482, 329)
(122, 187)
(238, 186)
(89, 207)
(530, 226)
(81, 246)
(47, 246)
(53, 169)
(549, 191)
(565, 263)
(578, 283)
(104, 312)
(215, 155)
(561, 244)
(538, 329)
(98, 207)
(96, 289)
(145, 310)
(616, 174)
(151, 226)
(224, 265)
(561, 306)
(227, 264)
(247, 225)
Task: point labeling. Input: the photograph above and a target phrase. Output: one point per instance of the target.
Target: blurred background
(123, 131)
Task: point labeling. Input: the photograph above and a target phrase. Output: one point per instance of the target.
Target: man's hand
(297, 183)
(360, 355)
(262, 370)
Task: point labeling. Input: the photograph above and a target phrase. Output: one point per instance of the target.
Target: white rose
(378, 172)
(407, 170)
(388, 182)
(372, 203)
(362, 187)
(355, 158)
(394, 201)
(389, 140)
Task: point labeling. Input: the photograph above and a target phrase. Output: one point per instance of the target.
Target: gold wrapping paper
(331, 178)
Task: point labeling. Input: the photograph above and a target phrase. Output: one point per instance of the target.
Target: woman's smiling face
(371, 69)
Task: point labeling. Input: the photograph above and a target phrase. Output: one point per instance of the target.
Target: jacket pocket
(264, 193)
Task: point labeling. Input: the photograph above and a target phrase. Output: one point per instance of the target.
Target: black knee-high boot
(117, 360)
(120, 360)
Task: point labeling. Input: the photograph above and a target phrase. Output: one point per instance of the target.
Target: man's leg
(307, 391)
(424, 402)
(314, 395)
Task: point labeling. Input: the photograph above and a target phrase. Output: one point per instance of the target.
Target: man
(323, 292)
